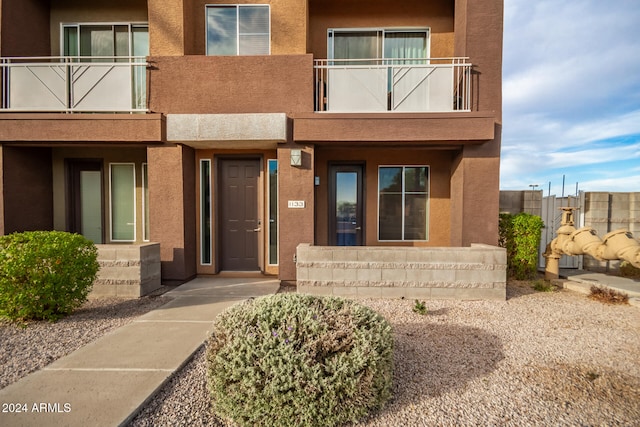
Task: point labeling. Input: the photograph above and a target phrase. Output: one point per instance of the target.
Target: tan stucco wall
(288, 25)
(172, 209)
(439, 163)
(2, 192)
(25, 28)
(391, 128)
(25, 189)
(108, 155)
(231, 84)
(166, 27)
(476, 173)
(436, 15)
(296, 225)
(42, 128)
(475, 200)
(81, 11)
(178, 27)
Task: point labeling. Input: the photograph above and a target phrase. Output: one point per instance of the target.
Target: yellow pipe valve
(583, 241)
(620, 244)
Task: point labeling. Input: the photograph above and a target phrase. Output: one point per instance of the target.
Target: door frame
(346, 166)
(218, 206)
(73, 214)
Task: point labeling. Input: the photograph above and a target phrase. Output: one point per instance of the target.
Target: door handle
(257, 229)
(358, 228)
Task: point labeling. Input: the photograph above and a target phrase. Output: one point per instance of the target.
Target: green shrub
(520, 235)
(628, 270)
(420, 308)
(45, 274)
(543, 286)
(299, 360)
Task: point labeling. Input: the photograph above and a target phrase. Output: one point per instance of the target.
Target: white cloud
(571, 56)
(571, 94)
(619, 184)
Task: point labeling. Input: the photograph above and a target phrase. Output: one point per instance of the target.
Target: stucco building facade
(232, 132)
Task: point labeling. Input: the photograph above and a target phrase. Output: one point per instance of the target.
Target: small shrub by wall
(520, 235)
(45, 274)
(299, 360)
(628, 270)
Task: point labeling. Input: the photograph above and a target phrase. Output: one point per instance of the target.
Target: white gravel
(535, 359)
(538, 359)
(33, 345)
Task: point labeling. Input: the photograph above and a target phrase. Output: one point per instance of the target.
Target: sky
(571, 95)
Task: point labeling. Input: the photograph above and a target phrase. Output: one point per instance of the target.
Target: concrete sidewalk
(582, 280)
(108, 380)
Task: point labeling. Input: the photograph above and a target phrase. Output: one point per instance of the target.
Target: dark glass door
(346, 213)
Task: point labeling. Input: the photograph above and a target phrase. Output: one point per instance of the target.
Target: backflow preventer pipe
(617, 245)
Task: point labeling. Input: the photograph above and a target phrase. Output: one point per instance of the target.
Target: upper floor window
(238, 29)
(378, 43)
(106, 40)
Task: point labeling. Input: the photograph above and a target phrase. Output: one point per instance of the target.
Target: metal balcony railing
(403, 85)
(73, 84)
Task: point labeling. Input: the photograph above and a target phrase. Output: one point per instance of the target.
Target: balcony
(73, 84)
(394, 101)
(429, 85)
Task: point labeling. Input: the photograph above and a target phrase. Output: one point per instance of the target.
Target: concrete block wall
(607, 212)
(476, 272)
(515, 202)
(129, 271)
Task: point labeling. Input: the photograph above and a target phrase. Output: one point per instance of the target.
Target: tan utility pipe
(617, 245)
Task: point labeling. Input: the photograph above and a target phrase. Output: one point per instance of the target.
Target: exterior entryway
(346, 210)
(239, 225)
(85, 210)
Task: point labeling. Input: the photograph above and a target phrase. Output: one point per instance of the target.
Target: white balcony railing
(406, 85)
(74, 84)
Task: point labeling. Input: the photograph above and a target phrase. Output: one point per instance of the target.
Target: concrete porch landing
(582, 280)
(106, 382)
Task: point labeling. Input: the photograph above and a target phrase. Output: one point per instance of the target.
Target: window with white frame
(403, 203)
(111, 42)
(378, 44)
(122, 200)
(105, 39)
(238, 29)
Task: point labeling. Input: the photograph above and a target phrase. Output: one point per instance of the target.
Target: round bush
(45, 274)
(299, 360)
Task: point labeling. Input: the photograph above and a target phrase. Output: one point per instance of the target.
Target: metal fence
(73, 84)
(407, 85)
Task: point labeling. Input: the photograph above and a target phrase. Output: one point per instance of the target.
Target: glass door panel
(273, 211)
(96, 40)
(85, 201)
(123, 202)
(405, 45)
(355, 45)
(91, 205)
(206, 246)
(346, 219)
(346, 204)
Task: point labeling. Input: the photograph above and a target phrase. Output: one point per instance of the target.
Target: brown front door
(239, 222)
